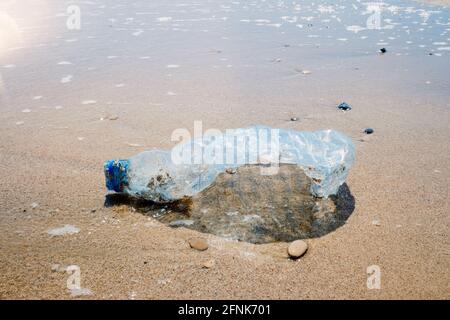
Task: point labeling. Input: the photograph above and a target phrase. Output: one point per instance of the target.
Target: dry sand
(51, 158)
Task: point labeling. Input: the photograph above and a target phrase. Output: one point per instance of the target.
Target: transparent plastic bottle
(163, 176)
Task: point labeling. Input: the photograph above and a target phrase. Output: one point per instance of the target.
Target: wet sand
(159, 67)
(438, 2)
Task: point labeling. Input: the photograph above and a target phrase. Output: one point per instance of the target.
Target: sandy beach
(135, 71)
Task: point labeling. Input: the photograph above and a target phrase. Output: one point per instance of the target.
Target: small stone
(93, 210)
(368, 131)
(294, 119)
(55, 267)
(344, 106)
(383, 50)
(297, 248)
(208, 264)
(34, 205)
(181, 223)
(198, 244)
(230, 170)
(136, 145)
(306, 72)
(376, 223)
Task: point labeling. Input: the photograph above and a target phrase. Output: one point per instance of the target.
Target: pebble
(34, 205)
(297, 248)
(56, 267)
(181, 223)
(376, 223)
(198, 244)
(344, 106)
(208, 264)
(294, 119)
(230, 170)
(383, 50)
(368, 131)
(136, 145)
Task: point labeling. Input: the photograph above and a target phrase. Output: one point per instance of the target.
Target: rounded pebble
(198, 244)
(368, 131)
(297, 248)
(230, 170)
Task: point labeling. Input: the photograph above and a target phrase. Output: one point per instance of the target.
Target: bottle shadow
(287, 224)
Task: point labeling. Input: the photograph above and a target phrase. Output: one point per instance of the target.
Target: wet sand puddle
(251, 207)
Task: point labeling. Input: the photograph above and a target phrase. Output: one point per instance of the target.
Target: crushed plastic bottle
(190, 167)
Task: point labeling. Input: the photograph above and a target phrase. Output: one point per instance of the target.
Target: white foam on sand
(66, 79)
(164, 19)
(67, 229)
(355, 29)
(85, 102)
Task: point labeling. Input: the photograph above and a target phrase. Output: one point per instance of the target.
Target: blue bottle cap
(116, 174)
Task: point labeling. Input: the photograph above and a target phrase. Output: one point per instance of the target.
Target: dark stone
(368, 131)
(344, 106)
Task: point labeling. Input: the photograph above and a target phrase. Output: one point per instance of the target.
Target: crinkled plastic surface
(163, 176)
